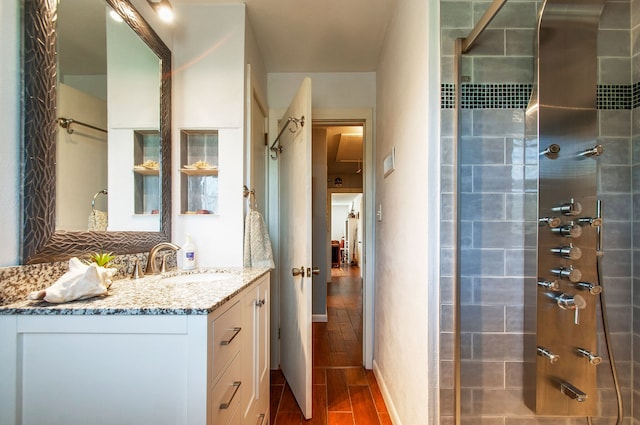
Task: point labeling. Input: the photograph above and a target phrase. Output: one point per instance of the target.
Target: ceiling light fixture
(163, 9)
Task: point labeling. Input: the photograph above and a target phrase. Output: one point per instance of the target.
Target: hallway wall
(406, 238)
(499, 210)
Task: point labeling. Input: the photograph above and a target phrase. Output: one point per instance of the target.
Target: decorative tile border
(615, 96)
(516, 96)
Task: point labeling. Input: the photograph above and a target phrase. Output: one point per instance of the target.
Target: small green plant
(102, 259)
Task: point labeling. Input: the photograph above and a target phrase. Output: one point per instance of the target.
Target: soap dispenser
(188, 254)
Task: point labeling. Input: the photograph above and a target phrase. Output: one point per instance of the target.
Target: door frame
(332, 117)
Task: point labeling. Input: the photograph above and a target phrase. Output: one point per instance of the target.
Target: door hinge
(278, 333)
(266, 139)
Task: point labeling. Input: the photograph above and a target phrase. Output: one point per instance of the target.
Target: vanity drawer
(227, 394)
(226, 339)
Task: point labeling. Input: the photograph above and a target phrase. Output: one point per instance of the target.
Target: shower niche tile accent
(146, 169)
(199, 171)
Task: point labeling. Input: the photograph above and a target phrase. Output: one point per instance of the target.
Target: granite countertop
(152, 295)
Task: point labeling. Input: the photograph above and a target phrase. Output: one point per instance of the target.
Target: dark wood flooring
(343, 391)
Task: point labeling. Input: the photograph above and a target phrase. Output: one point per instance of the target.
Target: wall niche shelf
(146, 171)
(199, 171)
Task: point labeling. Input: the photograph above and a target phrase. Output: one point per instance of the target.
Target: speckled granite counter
(151, 295)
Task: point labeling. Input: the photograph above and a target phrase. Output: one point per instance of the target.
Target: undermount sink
(206, 277)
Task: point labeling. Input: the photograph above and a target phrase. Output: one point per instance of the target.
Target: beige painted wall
(406, 239)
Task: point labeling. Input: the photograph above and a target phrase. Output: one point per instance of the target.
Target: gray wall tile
(519, 42)
(485, 262)
(614, 43)
(502, 69)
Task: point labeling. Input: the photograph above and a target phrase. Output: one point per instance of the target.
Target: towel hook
(250, 194)
(298, 122)
(93, 201)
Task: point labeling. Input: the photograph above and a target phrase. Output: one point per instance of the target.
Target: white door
(295, 248)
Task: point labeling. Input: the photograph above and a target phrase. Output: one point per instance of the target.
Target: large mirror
(104, 186)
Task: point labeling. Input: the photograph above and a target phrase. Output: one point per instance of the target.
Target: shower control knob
(597, 150)
(551, 151)
(552, 222)
(548, 354)
(568, 230)
(586, 286)
(594, 359)
(572, 302)
(591, 221)
(568, 273)
(549, 284)
(569, 208)
(569, 252)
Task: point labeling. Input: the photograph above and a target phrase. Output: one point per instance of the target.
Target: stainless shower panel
(562, 115)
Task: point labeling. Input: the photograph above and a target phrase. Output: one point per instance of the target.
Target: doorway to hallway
(343, 391)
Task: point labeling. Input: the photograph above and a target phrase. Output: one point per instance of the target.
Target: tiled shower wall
(499, 210)
(635, 128)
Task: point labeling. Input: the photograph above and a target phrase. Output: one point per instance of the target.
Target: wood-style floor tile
(288, 402)
(319, 376)
(355, 376)
(340, 418)
(274, 401)
(277, 378)
(343, 392)
(375, 392)
(364, 409)
(319, 410)
(385, 419)
(288, 418)
(337, 391)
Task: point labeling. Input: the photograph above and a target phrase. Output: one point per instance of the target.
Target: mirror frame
(41, 242)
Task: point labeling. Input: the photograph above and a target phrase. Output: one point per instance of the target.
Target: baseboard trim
(320, 318)
(393, 414)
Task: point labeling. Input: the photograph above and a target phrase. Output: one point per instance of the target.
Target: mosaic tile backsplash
(516, 96)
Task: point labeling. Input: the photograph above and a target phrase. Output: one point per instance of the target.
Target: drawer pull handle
(261, 418)
(260, 303)
(236, 331)
(226, 405)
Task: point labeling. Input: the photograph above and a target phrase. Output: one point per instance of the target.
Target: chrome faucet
(151, 258)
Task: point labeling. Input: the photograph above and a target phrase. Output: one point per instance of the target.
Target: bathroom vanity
(181, 348)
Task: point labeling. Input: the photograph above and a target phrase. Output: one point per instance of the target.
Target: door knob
(315, 271)
(299, 271)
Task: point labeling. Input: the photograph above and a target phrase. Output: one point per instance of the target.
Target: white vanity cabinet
(255, 362)
(111, 368)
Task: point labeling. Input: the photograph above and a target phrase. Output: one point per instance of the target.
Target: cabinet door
(249, 369)
(262, 349)
(255, 351)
